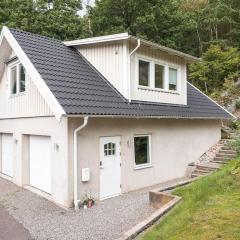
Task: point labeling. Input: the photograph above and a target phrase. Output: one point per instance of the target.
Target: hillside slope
(210, 209)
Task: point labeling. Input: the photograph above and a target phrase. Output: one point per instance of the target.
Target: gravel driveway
(108, 219)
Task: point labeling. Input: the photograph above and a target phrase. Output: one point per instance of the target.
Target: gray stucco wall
(174, 144)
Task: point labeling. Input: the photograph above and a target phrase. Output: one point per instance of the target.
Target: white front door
(40, 162)
(7, 154)
(110, 167)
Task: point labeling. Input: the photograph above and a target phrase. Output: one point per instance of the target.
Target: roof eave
(189, 58)
(146, 117)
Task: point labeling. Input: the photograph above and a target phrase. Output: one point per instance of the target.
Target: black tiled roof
(80, 89)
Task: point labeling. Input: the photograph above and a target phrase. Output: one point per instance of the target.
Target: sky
(85, 3)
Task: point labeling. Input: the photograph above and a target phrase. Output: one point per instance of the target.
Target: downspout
(75, 162)
(129, 72)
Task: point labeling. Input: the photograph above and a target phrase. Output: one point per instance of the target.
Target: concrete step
(226, 148)
(227, 151)
(208, 166)
(224, 158)
(224, 140)
(196, 175)
(219, 162)
(225, 155)
(203, 170)
(220, 159)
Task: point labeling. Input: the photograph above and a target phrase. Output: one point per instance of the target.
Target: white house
(100, 116)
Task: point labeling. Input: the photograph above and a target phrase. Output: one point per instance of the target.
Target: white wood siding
(28, 104)
(111, 61)
(138, 93)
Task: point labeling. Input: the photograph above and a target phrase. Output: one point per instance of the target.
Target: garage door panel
(40, 162)
(7, 154)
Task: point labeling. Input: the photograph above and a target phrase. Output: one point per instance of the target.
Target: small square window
(173, 76)
(159, 76)
(144, 73)
(109, 149)
(141, 148)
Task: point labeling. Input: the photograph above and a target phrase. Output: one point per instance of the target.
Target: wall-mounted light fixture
(56, 147)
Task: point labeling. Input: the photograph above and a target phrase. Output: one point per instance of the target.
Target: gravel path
(10, 229)
(44, 220)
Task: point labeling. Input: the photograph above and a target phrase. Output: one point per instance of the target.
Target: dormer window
(159, 76)
(173, 76)
(17, 79)
(144, 73)
(156, 75)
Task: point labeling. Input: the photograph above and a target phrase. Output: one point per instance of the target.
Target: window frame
(164, 75)
(10, 66)
(177, 86)
(166, 65)
(149, 73)
(149, 163)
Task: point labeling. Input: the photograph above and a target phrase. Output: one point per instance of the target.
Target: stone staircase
(225, 153)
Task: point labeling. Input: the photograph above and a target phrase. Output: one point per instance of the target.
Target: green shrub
(235, 124)
(237, 105)
(236, 145)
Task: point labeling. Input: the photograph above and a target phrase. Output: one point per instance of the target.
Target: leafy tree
(57, 18)
(217, 66)
(209, 22)
(156, 20)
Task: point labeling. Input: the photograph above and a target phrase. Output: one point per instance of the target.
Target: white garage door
(40, 162)
(7, 154)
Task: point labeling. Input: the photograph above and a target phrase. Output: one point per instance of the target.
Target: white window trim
(150, 72)
(145, 165)
(178, 77)
(18, 93)
(166, 65)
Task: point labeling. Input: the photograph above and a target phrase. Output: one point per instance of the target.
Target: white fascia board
(213, 101)
(34, 75)
(108, 38)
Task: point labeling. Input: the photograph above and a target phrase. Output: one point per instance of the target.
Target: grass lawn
(210, 209)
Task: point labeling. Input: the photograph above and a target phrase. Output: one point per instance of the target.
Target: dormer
(140, 70)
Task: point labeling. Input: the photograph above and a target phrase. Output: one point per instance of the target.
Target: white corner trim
(213, 101)
(33, 73)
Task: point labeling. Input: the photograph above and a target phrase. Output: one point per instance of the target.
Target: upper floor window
(144, 70)
(17, 79)
(159, 76)
(156, 75)
(173, 79)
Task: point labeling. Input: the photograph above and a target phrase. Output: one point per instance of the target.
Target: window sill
(158, 90)
(17, 95)
(143, 166)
